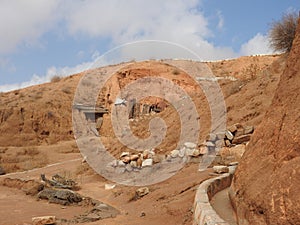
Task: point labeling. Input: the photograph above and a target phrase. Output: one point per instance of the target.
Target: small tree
(282, 32)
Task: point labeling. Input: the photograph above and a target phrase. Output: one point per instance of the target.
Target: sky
(40, 39)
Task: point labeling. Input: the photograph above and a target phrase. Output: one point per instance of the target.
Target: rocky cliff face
(265, 188)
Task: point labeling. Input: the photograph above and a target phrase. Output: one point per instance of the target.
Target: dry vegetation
(55, 79)
(20, 159)
(282, 32)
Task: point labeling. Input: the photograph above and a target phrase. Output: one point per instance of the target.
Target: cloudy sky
(43, 38)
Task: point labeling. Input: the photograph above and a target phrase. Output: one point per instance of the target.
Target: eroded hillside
(42, 115)
(265, 185)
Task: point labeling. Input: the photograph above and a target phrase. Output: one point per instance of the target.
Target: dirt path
(51, 168)
(169, 202)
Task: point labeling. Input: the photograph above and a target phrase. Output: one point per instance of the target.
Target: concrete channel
(212, 205)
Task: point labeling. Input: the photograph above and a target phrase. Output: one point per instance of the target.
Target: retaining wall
(204, 214)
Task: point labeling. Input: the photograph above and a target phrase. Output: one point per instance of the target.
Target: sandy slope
(36, 130)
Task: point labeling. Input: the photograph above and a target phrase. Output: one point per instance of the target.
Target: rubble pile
(237, 134)
(137, 161)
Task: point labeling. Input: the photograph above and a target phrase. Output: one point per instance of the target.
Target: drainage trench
(222, 205)
(212, 204)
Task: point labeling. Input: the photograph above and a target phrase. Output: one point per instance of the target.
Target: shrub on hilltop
(282, 32)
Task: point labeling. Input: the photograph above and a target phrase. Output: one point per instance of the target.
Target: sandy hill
(36, 130)
(42, 115)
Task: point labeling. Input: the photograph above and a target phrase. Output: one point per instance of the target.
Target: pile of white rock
(189, 152)
(134, 162)
(130, 162)
(237, 134)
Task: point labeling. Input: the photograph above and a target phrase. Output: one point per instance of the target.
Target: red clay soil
(42, 114)
(36, 130)
(169, 202)
(265, 188)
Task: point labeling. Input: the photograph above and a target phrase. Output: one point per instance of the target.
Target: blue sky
(43, 38)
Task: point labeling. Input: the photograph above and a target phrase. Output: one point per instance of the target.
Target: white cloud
(257, 45)
(178, 21)
(52, 71)
(65, 71)
(24, 22)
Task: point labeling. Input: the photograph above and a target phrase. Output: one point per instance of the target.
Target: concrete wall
(204, 214)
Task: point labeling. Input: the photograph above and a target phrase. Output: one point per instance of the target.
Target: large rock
(189, 152)
(210, 144)
(147, 162)
(196, 153)
(142, 191)
(174, 153)
(248, 130)
(239, 132)
(99, 212)
(43, 220)
(241, 139)
(190, 145)
(203, 150)
(63, 197)
(232, 154)
(211, 137)
(265, 187)
(233, 128)
(158, 158)
(229, 135)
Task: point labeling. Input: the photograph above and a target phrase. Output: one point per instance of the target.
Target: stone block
(174, 153)
(241, 139)
(190, 145)
(142, 191)
(147, 162)
(220, 169)
(233, 128)
(248, 130)
(229, 135)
